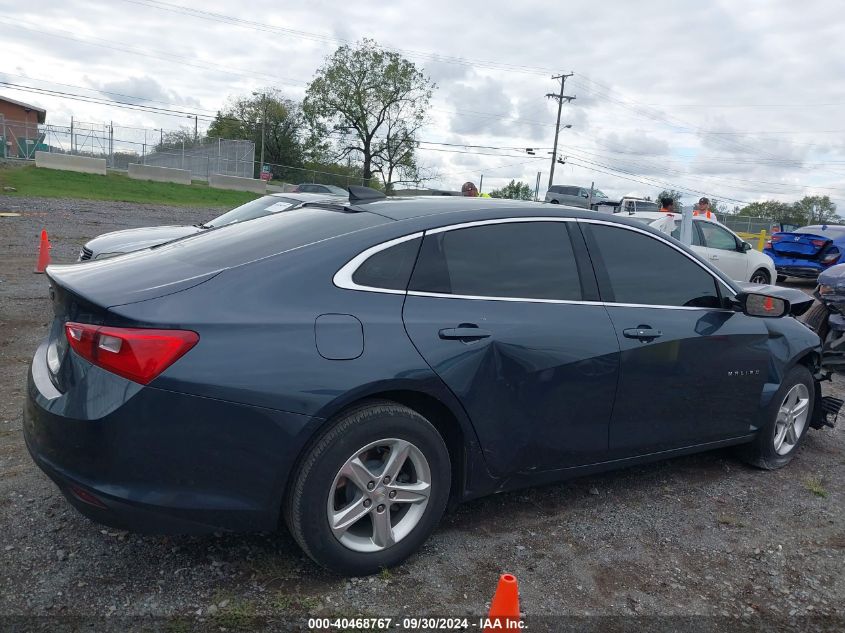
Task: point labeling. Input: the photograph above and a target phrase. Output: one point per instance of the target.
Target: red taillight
(87, 497)
(138, 354)
(819, 243)
(776, 238)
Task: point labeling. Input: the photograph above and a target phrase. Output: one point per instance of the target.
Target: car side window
(641, 269)
(717, 237)
(389, 268)
(520, 260)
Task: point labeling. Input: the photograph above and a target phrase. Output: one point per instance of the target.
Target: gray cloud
(649, 77)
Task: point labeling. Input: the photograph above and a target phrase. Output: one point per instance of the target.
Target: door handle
(464, 333)
(642, 333)
(714, 257)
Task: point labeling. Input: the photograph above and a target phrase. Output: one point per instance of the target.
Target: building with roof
(19, 132)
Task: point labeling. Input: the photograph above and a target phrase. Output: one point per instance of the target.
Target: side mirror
(585, 194)
(746, 247)
(764, 306)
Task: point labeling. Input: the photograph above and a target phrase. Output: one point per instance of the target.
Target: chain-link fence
(121, 145)
(745, 224)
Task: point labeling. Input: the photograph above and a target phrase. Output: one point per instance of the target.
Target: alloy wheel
(379, 495)
(792, 418)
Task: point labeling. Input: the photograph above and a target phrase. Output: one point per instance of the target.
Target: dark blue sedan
(807, 251)
(352, 367)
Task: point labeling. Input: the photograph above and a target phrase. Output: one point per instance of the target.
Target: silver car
(573, 196)
(128, 240)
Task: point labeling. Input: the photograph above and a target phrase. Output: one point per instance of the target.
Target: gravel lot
(695, 536)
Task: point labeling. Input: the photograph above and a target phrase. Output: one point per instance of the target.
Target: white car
(717, 244)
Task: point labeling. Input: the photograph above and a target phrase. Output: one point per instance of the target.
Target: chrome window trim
(465, 225)
(608, 304)
(343, 277)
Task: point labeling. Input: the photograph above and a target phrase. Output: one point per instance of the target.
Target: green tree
(284, 129)
(675, 195)
(514, 190)
(816, 209)
(355, 96)
(774, 210)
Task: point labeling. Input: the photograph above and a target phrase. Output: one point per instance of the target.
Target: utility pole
(263, 122)
(560, 99)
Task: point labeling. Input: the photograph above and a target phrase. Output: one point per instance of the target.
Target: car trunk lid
(802, 245)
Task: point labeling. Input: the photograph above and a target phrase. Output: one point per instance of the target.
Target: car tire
(781, 278)
(775, 446)
(384, 532)
(553, 201)
(762, 276)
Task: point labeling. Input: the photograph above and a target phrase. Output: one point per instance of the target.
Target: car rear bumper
(159, 461)
(796, 266)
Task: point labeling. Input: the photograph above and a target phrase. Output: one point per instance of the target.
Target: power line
(320, 37)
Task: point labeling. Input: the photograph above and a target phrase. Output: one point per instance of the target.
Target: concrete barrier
(219, 181)
(159, 174)
(69, 162)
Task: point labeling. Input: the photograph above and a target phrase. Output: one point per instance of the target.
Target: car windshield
(254, 209)
(834, 232)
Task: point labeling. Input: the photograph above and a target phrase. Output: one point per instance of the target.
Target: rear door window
(518, 260)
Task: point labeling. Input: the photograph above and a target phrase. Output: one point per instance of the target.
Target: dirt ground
(658, 546)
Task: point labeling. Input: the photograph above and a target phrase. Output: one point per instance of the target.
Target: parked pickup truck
(626, 204)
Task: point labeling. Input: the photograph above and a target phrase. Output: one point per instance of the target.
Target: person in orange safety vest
(668, 205)
(703, 209)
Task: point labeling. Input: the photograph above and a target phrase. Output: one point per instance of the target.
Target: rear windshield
(647, 206)
(254, 209)
(247, 241)
(834, 232)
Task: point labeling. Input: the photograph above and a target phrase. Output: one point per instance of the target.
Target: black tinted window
(641, 269)
(389, 268)
(529, 260)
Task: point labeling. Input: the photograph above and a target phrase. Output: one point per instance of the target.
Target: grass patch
(238, 616)
(814, 485)
(293, 603)
(53, 183)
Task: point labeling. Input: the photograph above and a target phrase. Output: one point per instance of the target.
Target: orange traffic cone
(504, 610)
(43, 253)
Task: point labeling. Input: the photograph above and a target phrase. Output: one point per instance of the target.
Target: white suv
(717, 244)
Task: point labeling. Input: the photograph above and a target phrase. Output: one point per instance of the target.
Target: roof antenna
(359, 194)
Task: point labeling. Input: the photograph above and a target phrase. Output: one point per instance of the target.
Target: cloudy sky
(742, 100)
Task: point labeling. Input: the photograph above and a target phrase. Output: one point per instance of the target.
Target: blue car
(352, 367)
(807, 251)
